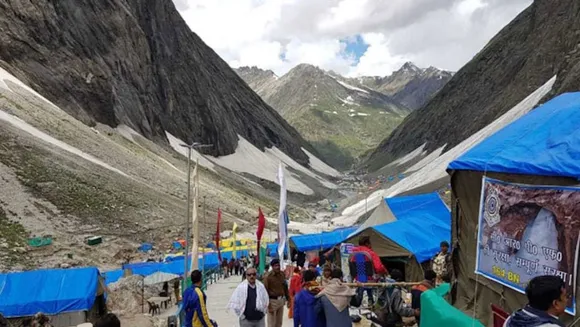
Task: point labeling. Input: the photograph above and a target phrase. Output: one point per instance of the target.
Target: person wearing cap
(275, 283)
(441, 262)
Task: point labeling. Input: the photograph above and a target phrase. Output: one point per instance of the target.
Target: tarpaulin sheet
(425, 207)
(272, 250)
(422, 238)
(436, 312)
(321, 241)
(545, 142)
(175, 266)
(51, 291)
(423, 222)
(112, 276)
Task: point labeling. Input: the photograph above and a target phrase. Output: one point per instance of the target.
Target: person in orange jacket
(295, 288)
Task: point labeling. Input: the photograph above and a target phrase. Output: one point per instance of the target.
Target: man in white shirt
(250, 301)
(547, 300)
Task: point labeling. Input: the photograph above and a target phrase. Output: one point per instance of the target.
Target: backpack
(384, 309)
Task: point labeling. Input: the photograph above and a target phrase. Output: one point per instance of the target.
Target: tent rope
(475, 300)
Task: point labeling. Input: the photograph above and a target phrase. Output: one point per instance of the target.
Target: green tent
(436, 312)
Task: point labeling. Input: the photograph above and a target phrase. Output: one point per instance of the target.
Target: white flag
(195, 244)
(282, 216)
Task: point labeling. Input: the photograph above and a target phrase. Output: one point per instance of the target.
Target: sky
(350, 37)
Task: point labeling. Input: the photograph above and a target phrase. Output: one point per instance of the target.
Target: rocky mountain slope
(339, 119)
(95, 100)
(543, 41)
(137, 63)
(410, 85)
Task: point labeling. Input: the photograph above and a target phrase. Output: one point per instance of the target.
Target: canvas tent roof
(321, 241)
(420, 227)
(421, 206)
(544, 142)
(52, 291)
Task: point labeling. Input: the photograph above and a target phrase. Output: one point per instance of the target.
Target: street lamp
(189, 147)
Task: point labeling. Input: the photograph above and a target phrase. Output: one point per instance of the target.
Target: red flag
(217, 235)
(260, 231)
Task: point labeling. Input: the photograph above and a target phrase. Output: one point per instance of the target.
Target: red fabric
(377, 264)
(261, 224)
(499, 316)
(295, 284)
(217, 235)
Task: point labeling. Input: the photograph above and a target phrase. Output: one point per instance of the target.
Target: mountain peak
(254, 70)
(410, 67)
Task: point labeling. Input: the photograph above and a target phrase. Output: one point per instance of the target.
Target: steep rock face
(544, 40)
(136, 62)
(258, 79)
(340, 119)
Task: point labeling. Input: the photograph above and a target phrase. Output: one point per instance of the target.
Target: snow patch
(320, 166)
(349, 100)
(176, 145)
(24, 126)
(6, 76)
(350, 87)
(251, 160)
(436, 169)
(334, 112)
(362, 114)
(427, 159)
(409, 156)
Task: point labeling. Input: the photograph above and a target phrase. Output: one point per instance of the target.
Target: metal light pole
(203, 249)
(189, 147)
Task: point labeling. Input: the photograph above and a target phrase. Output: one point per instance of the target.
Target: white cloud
(441, 33)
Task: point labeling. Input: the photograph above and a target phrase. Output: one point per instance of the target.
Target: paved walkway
(218, 296)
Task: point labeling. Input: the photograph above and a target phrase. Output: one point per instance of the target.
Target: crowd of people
(318, 296)
(236, 266)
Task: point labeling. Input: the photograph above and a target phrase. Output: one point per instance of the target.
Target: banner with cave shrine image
(527, 231)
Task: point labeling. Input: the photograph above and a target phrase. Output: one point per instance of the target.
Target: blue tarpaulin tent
(540, 148)
(175, 266)
(51, 292)
(320, 241)
(418, 225)
(424, 206)
(545, 142)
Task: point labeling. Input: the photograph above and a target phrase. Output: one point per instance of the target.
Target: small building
(69, 296)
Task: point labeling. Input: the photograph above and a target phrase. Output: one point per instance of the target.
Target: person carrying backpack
(390, 305)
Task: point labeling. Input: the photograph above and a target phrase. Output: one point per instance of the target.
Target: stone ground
(218, 296)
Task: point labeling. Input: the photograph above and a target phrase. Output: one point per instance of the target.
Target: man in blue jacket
(194, 304)
(547, 300)
(307, 309)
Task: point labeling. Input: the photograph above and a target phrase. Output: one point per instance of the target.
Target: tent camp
(320, 241)
(69, 296)
(418, 223)
(540, 149)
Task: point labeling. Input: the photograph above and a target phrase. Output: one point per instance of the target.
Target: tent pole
(143, 295)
